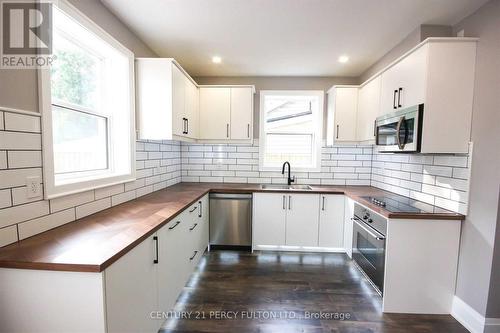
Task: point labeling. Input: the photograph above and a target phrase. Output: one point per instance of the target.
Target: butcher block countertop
(93, 243)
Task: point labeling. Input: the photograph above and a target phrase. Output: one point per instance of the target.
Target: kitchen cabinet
(215, 113)
(348, 226)
(331, 221)
(403, 84)
(241, 113)
(269, 218)
(301, 220)
(291, 220)
(167, 101)
(342, 114)
(132, 290)
(368, 109)
(438, 73)
(226, 113)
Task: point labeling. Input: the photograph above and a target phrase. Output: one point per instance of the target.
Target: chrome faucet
(290, 180)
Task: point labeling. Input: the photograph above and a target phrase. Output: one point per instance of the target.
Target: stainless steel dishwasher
(230, 221)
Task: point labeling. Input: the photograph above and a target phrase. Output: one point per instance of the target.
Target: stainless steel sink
(285, 187)
(274, 187)
(301, 187)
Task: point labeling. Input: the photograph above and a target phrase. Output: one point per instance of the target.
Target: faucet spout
(290, 179)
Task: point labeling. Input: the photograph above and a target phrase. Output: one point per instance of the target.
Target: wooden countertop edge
(97, 268)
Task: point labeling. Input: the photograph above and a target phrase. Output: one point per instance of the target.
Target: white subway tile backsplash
(24, 159)
(21, 122)
(122, 197)
(3, 160)
(5, 198)
(71, 200)
(438, 170)
(8, 235)
(109, 191)
(36, 226)
(17, 177)
(1, 121)
(454, 161)
(20, 141)
(16, 214)
(92, 207)
(20, 196)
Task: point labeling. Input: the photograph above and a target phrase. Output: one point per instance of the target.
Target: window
(291, 129)
(87, 104)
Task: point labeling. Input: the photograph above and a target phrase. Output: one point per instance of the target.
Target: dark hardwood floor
(288, 286)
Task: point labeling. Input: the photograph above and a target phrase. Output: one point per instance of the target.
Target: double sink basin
(285, 187)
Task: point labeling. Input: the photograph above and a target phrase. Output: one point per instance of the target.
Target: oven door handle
(371, 233)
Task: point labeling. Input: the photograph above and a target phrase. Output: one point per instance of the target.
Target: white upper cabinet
(342, 113)
(215, 113)
(241, 113)
(226, 113)
(368, 109)
(403, 84)
(166, 100)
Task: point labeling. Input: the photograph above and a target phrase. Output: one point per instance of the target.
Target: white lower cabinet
(298, 221)
(331, 221)
(151, 276)
(131, 290)
(302, 220)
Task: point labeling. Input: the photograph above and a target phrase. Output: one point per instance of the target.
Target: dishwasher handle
(230, 196)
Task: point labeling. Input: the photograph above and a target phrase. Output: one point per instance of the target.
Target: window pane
(295, 148)
(75, 74)
(80, 141)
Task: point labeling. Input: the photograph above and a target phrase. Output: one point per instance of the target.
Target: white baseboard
(473, 320)
(286, 248)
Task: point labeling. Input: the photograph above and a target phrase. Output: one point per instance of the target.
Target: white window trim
(319, 128)
(44, 89)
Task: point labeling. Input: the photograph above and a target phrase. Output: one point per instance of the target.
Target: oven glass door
(369, 252)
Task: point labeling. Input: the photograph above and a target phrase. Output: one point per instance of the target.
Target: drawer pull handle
(194, 255)
(192, 210)
(199, 212)
(194, 226)
(175, 225)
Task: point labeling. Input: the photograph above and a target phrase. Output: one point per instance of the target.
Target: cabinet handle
(400, 90)
(194, 226)
(201, 205)
(192, 210)
(337, 131)
(375, 128)
(175, 225)
(227, 130)
(194, 255)
(323, 204)
(394, 100)
(289, 202)
(184, 126)
(284, 203)
(155, 238)
(248, 130)
(187, 126)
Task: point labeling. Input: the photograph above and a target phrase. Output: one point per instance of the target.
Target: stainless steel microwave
(400, 131)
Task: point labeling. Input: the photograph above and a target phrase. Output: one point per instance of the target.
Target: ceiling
(281, 37)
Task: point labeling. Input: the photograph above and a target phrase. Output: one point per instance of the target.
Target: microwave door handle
(401, 145)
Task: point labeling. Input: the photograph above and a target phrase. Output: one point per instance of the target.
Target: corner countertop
(93, 243)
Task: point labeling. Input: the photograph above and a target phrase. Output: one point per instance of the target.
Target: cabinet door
(131, 290)
(192, 109)
(269, 218)
(331, 221)
(302, 218)
(241, 113)
(403, 84)
(348, 214)
(346, 106)
(178, 101)
(172, 267)
(215, 113)
(368, 109)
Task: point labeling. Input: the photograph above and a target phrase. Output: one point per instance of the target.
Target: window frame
(93, 180)
(317, 145)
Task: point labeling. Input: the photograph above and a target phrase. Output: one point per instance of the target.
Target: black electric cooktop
(400, 204)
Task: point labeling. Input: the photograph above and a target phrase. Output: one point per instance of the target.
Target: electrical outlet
(33, 187)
